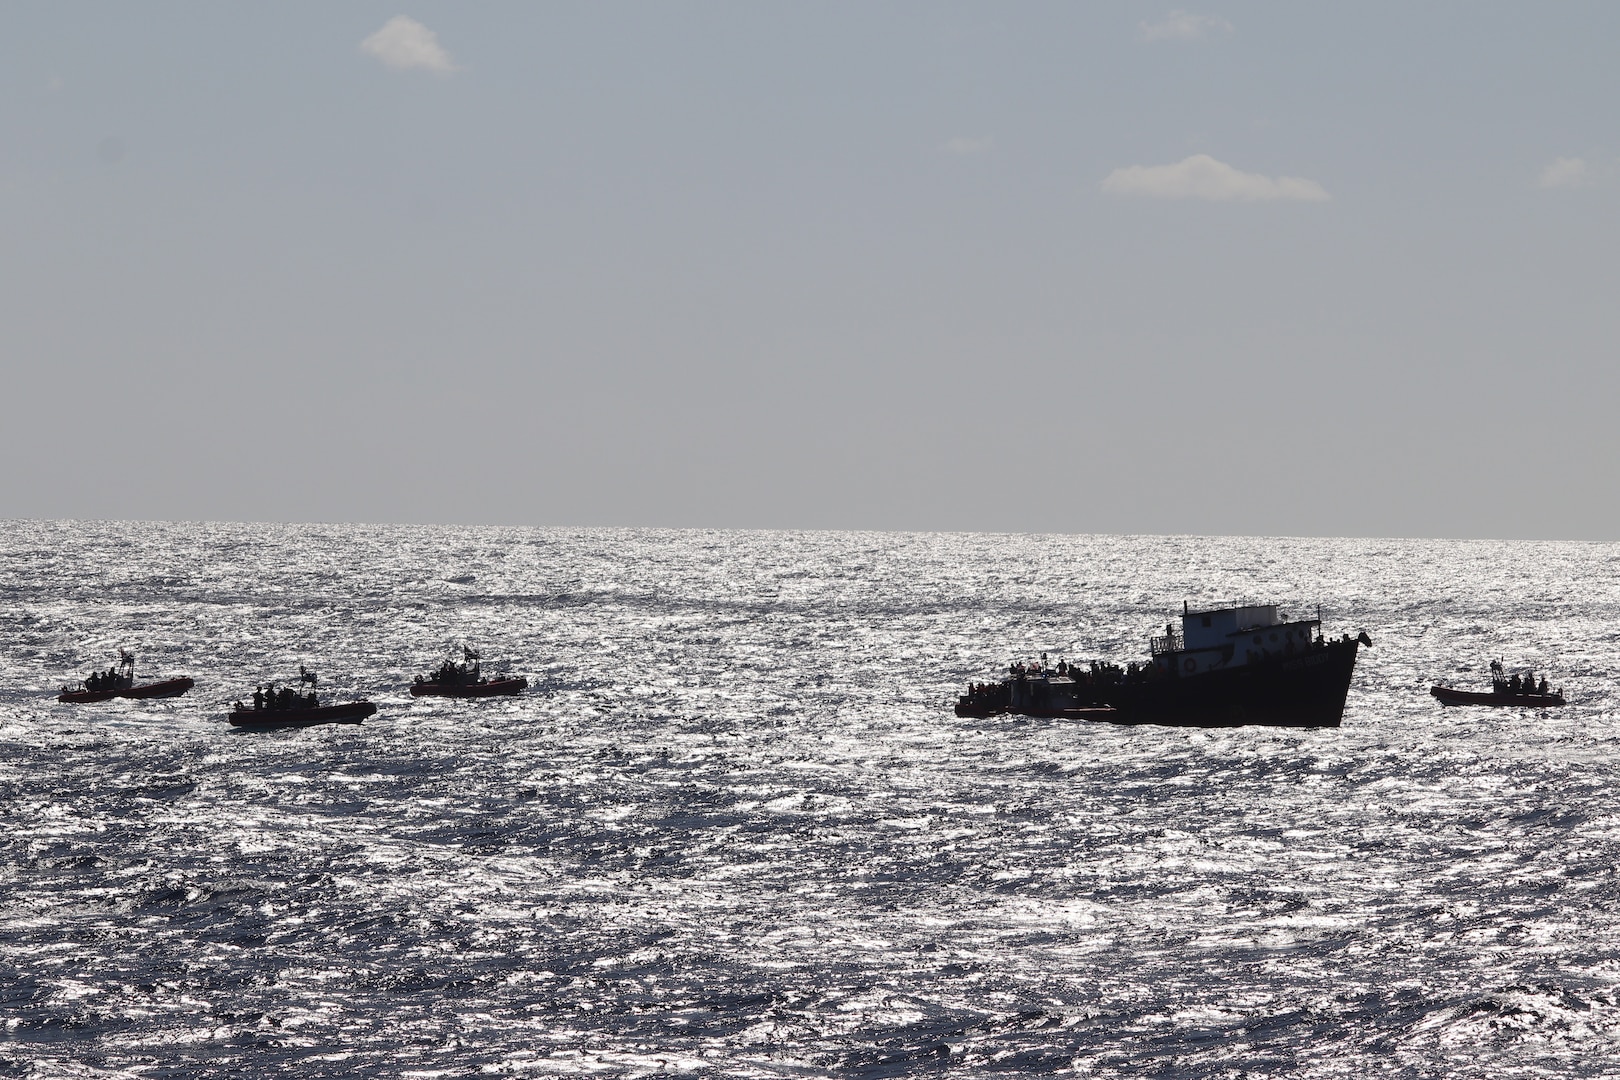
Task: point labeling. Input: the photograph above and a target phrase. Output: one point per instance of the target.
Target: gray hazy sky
(1292, 268)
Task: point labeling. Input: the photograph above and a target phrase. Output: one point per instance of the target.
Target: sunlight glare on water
(734, 826)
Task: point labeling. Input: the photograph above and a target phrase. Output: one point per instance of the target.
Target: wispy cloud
(1202, 177)
(403, 44)
(1182, 25)
(966, 146)
(1567, 172)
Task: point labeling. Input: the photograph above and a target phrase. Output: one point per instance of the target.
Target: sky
(1236, 268)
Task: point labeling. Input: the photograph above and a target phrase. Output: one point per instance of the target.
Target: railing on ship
(1171, 642)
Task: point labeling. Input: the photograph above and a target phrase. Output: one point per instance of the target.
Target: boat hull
(492, 688)
(1306, 690)
(1447, 696)
(165, 689)
(264, 719)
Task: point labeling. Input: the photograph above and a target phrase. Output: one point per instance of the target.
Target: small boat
(1508, 690)
(287, 707)
(465, 680)
(304, 716)
(119, 682)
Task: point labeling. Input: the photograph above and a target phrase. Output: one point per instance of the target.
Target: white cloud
(962, 145)
(1184, 26)
(1567, 172)
(404, 43)
(1202, 177)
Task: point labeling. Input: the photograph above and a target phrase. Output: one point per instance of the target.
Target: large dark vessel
(287, 707)
(465, 680)
(1510, 690)
(1225, 667)
(119, 682)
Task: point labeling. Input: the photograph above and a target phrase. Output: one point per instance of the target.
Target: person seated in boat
(1513, 683)
(309, 700)
(284, 698)
(258, 699)
(1542, 689)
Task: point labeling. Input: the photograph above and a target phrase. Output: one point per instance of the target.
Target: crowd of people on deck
(1100, 672)
(1099, 675)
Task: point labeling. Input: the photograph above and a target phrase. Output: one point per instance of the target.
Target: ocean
(733, 828)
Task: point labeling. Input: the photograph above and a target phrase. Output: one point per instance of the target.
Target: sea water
(734, 828)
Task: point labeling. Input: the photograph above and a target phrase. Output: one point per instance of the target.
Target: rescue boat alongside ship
(1225, 667)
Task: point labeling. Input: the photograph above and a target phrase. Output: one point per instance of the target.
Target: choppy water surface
(734, 828)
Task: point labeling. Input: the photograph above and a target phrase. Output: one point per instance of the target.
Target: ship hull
(265, 719)
(1306, 690)
(165, 689)
(1447, 696)
(493, 688)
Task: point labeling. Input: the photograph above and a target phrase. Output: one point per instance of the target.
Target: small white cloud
(1566, 172)
(1202, 177)
(403, 43)
(1182, 25)
(965, 146)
